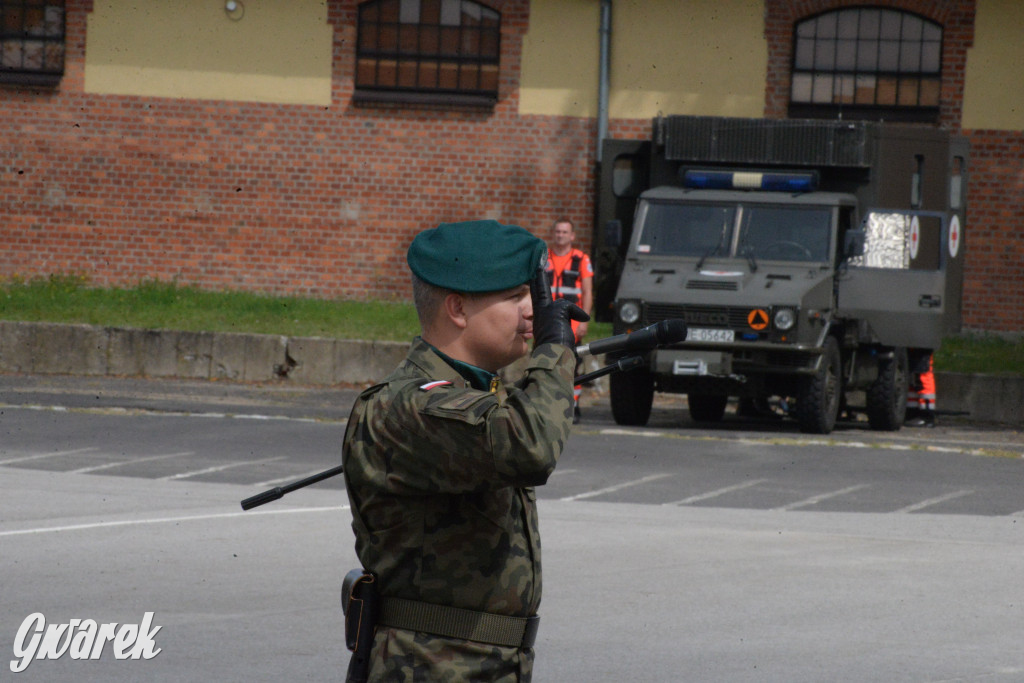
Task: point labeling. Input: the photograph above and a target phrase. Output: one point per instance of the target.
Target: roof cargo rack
(790, 142)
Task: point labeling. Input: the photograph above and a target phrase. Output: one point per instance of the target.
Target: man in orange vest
(571, 277)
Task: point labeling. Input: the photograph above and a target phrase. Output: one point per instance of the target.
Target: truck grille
(703, 316)
(766, 141)
(714, 285)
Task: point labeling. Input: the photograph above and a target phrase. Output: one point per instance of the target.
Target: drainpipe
(602, 85)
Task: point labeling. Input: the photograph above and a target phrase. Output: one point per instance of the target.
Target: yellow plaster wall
(278, 51)
(993, 90)
(702, 57)
(560, 58)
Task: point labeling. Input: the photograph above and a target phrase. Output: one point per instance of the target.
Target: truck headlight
(629, 312)
(785, 318)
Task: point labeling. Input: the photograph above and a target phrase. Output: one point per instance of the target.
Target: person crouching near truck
(921, 394)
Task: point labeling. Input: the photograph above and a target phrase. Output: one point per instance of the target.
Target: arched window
(428, 50)
(31, 41)
(867, 63)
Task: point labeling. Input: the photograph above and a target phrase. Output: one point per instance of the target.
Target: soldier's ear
(454, 308)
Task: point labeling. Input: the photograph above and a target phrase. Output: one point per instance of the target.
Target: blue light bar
(750, 180)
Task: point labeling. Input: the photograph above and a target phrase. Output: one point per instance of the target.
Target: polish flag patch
(433, 385)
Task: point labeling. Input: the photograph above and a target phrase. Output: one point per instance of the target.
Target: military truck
(816, 263)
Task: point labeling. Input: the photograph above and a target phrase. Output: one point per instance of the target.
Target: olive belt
(455, 622)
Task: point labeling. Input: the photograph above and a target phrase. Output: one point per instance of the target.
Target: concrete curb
(52, 348)
(984, 398)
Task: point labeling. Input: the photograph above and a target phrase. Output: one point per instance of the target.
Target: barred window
(444, 51)
(31, 41)
(867, 62)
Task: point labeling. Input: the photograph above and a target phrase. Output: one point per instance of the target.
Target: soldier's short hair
(428, 300)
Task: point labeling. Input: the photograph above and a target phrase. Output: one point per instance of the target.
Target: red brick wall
(994, 282)
(323, 200)
(304, 199)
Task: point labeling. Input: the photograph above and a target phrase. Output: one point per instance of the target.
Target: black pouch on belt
(361, 603)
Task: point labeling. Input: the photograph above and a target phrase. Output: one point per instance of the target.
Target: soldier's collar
(478, 378)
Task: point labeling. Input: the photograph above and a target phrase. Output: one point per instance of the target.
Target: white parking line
(617, 487)
(165, 520)
(814, 500)
(631, 432)
(718, 492)
(934, 501)
(218, 468)
(55, 454)
(567, 470)
(120, 463)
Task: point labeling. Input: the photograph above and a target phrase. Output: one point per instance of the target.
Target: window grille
(446, 48)
(867, 62)
(31, 41)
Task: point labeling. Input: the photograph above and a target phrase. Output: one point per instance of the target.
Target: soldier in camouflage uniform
(441, 459)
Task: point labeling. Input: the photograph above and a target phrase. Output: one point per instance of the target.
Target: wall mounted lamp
(234, 9)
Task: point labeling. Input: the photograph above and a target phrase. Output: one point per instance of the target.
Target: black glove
(551, 319)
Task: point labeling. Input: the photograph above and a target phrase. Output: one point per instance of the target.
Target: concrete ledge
(249, 357)
(985, 398)
(50, 348)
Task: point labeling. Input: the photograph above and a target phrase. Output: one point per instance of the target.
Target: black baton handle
(279, 491)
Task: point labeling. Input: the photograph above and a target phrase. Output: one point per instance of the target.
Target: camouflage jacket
(440, 479)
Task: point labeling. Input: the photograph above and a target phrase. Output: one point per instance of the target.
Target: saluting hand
(552, 319)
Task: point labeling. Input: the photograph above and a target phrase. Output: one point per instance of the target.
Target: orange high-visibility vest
(567, 283)
(923, 398)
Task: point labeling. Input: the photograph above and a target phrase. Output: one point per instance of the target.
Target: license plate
(701, 334)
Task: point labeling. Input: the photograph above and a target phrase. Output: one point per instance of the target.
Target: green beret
(476, 256)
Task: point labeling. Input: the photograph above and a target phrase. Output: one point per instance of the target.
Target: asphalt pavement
(633, 592)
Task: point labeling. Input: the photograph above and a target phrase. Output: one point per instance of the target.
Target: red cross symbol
(954, 235)
(915, 236)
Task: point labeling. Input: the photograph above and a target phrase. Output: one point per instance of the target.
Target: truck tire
(707, 407)
(817, 404)
(886, 398)
(632, 393)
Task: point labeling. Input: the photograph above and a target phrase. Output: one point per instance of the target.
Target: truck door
(898, 287)
(624, 175)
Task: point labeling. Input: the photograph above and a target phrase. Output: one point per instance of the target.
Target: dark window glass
(776, 233)
(31, 41)
(771, 233)
(695, 230)
(428, 47)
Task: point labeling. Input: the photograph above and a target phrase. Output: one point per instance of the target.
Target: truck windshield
(777, 233)
(669, 229)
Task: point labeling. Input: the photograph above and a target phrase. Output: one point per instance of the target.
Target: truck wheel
(632, 393)
(817, 404)
(706, 407)
(886, 398)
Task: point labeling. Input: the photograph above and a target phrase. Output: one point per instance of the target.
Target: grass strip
(171, 306)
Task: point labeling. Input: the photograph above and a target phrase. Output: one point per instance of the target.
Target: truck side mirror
(613, 233)
(853, 243)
